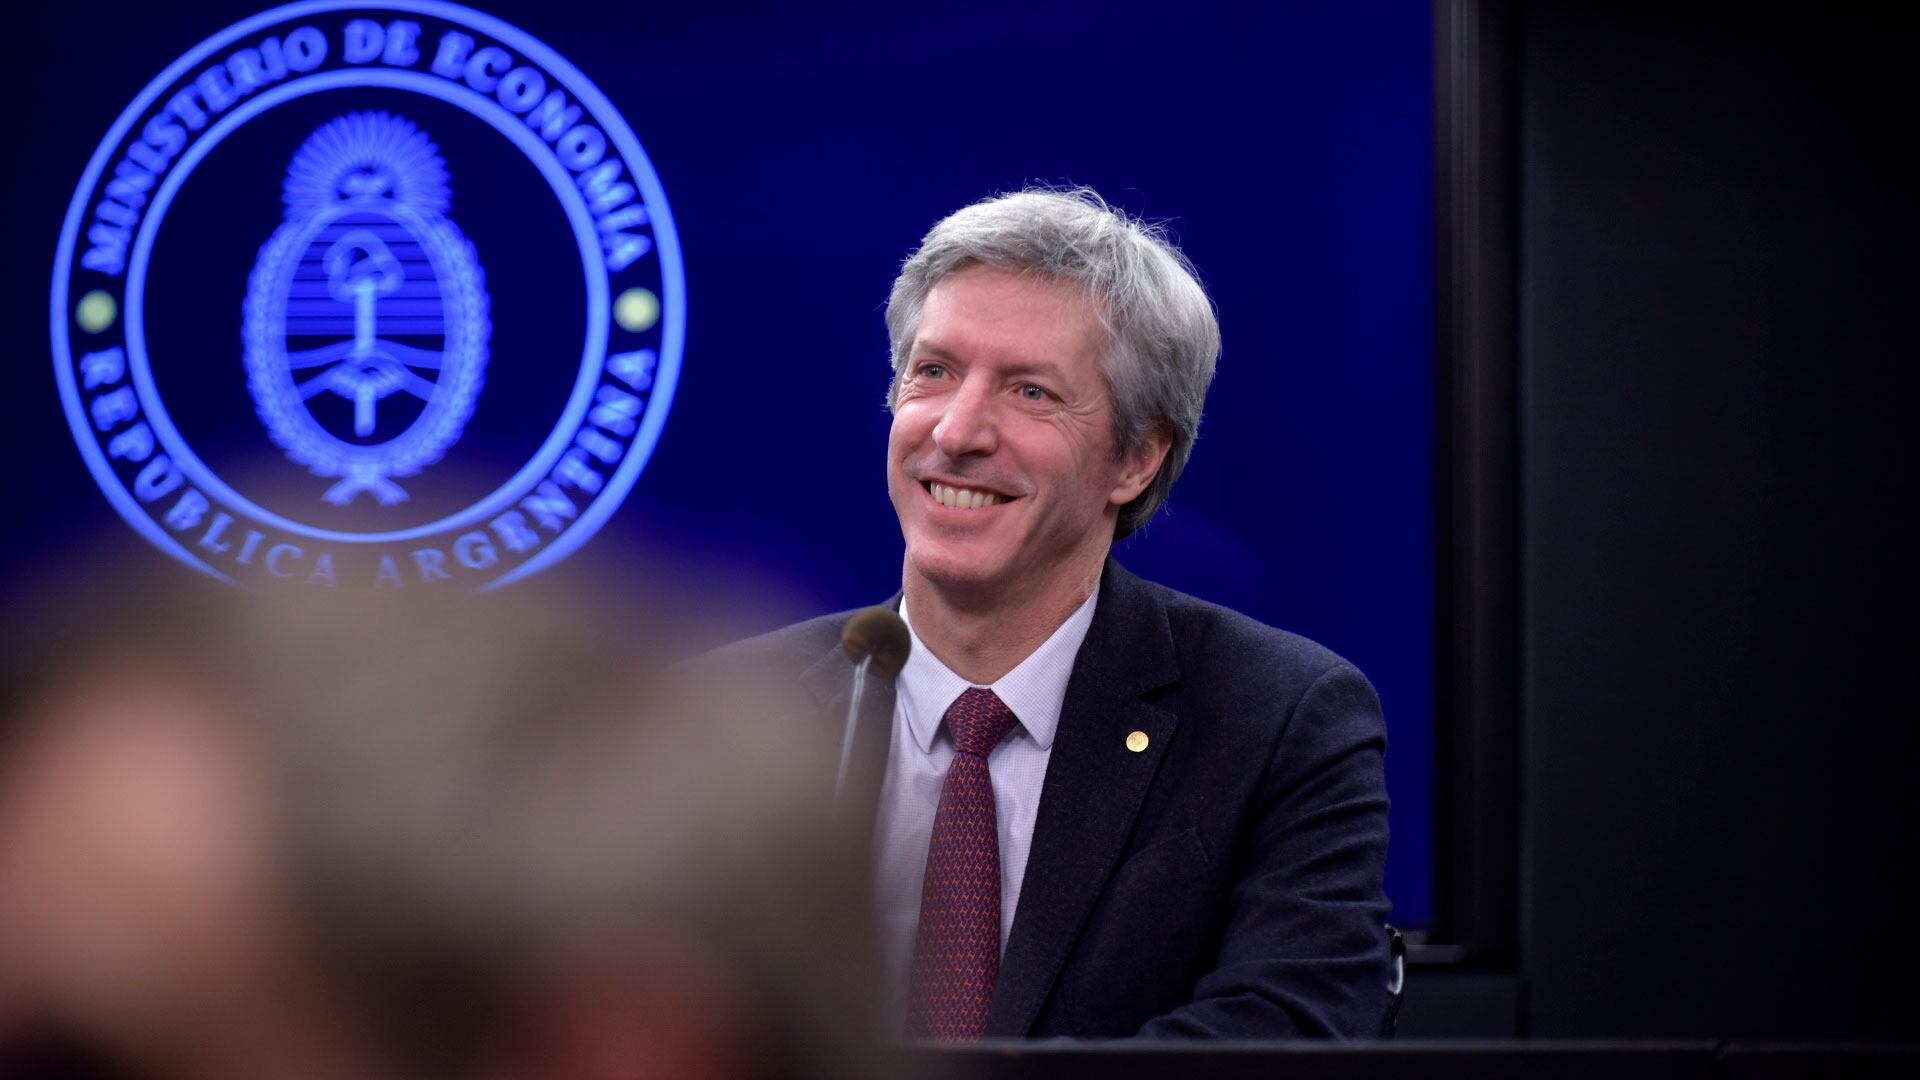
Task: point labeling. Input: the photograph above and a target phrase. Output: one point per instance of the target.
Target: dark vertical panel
(1717, 264)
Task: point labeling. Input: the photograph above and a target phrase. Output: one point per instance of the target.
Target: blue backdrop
(804, 152)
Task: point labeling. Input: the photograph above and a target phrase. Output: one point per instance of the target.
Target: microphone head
(881, 633)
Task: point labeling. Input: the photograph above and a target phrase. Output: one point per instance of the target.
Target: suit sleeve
(1304, 951)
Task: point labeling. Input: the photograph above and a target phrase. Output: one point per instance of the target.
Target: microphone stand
(876, 633)
(853, 717)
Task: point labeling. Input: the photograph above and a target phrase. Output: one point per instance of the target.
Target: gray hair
(1162, 336)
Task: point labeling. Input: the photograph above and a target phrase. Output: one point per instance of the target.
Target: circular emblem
(368, 294)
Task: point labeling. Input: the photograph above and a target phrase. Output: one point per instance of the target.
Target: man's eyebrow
(926, 350)
(920, 348)
(1038, 367)
(1045, 369)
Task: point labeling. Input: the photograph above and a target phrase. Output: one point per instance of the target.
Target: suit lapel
(1092, 793)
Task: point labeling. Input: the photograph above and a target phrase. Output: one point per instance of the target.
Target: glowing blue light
(593, 354)
(664, 240)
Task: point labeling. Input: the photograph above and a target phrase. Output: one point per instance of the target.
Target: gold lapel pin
(1137, 741)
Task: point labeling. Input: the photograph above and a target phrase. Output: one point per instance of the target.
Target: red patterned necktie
(956, 949)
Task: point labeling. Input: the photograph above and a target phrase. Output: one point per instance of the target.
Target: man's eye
(932, 371)
(1033, 393)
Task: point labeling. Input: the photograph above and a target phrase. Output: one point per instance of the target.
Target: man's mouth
(963, 498)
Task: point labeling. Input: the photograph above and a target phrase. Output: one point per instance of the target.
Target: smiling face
(1001, 460)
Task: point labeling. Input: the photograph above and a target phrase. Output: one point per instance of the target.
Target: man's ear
(1141, 465)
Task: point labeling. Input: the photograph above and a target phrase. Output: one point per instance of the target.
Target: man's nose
(967, 425)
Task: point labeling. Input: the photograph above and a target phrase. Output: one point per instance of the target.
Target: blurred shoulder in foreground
(364, 835)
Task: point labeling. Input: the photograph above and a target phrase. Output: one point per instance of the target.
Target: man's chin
(955, 573)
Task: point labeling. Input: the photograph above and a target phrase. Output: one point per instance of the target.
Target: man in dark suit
(1101, 808)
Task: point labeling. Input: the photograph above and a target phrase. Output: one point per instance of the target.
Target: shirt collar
(1036, 689)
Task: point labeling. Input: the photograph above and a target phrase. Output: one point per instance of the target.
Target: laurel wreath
(457, 390)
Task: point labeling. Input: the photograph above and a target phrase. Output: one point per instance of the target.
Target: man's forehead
(1021, 318)
(1013, 281)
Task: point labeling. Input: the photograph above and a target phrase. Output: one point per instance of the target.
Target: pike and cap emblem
(366, 317)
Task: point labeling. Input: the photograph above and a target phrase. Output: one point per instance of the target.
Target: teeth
(962, 498)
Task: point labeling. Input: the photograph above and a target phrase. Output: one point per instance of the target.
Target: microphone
(876, 640)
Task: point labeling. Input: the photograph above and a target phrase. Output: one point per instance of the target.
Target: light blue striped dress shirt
(917, 762)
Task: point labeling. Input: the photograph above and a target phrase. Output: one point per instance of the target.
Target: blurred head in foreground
(347, 836)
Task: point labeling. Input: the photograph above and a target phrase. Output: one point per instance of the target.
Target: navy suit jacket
(1223, 882)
